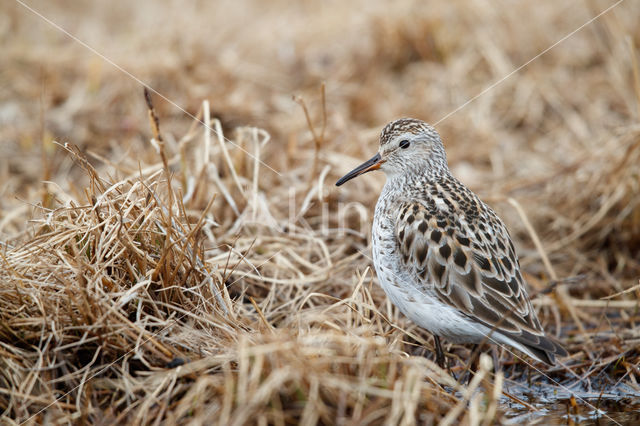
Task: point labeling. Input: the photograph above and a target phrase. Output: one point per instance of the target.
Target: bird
(442, 255)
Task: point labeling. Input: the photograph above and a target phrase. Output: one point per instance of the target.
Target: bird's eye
(404, 144)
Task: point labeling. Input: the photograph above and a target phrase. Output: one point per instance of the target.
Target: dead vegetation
(165, 271)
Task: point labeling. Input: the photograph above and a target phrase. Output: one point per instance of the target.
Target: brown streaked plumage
(442, 255)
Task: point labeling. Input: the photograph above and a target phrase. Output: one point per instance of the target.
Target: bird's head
(407, 145)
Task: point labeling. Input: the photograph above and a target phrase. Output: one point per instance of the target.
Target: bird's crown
(404, 125)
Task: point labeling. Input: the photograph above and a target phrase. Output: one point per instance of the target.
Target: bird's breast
(386, 259)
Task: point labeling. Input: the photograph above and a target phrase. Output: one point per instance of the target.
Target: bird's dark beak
(373, 163)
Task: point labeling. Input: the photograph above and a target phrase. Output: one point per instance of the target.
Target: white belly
(409, 295)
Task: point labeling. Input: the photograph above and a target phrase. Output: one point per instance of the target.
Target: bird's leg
(440, 358)
(475, 357)
(496, 359)
(472, 366)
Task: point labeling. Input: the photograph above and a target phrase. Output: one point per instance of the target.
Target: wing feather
(469, 262)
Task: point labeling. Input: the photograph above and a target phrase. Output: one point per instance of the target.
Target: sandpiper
(444, 257)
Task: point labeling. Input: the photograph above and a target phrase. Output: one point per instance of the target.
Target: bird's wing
(470, 263)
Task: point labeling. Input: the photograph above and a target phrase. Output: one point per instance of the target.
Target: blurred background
(553, 146)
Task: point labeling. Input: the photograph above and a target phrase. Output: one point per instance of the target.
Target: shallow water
(616, 404)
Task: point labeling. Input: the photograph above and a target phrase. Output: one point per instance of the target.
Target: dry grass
(181, 273)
